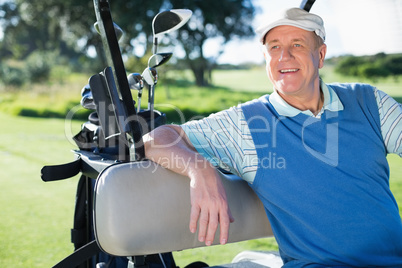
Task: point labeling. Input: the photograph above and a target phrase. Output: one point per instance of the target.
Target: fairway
(35, 216)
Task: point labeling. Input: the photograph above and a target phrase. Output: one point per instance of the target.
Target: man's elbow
(161, 138)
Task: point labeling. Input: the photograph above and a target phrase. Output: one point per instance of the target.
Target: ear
(264, 51)
(322, 50)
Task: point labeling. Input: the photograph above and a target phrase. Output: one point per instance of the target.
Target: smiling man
(314, 153)
(293, 59)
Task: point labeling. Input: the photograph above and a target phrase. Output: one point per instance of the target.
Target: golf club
(136, 82)
(150, 76)
(154, 61)
(87, 100)
(168, 21)
(159, 59)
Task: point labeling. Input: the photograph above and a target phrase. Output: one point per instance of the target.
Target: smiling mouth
(288, 71)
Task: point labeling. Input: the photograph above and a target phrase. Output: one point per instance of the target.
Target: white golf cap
(296, 17)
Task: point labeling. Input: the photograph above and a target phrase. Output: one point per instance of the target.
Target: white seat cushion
(141, 208)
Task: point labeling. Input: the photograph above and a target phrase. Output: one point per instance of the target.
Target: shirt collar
(331, 103)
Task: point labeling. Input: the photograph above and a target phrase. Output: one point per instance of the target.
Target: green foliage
(372, 68)
(222, 20)
(39, 65)
(176, 95)
(37, 68)
(349, 66)
(372, 71)
(393, 63)
(137, 64)
(42, 106)
(12, 76)
(67, 26)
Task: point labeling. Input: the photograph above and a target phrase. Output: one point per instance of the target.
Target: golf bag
(82, 233)
(112, 135)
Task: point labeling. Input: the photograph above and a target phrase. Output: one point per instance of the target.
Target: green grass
(254, 80)
(51, 99)
(389, 85)
(231, 87)
(36, 217)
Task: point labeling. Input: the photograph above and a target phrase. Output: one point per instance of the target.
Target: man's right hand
(170, 147)
(209, 206)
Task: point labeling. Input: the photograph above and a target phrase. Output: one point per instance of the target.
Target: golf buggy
(130, 212)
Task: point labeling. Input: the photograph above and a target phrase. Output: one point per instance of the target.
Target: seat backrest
(141, 208)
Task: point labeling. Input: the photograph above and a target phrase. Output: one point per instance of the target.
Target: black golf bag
(91, 138)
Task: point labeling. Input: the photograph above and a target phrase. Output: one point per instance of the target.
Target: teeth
(288, 70)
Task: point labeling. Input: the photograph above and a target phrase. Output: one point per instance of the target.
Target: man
(315, 154)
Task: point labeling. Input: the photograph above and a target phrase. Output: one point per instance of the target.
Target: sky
(358, 27)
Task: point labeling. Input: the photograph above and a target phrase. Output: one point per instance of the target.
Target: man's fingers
(208, 225)
(209, 208)
(231, 217)
(224, 223)
(203, 225)
(195, 213)
(212, 226)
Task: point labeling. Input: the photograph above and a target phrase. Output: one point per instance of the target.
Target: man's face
(293, 59)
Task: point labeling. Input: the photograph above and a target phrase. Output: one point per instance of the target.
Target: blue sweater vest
(325, 183)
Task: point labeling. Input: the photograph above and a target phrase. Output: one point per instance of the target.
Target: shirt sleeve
(391, 121)
(223, 139)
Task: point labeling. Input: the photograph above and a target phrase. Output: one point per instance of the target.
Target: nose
(286, 54)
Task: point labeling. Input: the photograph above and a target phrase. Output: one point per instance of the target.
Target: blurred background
(49, 49)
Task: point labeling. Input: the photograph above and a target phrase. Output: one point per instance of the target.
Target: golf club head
(159, 59)
(135, 81)
(119, 32)
(150, 76)
(87, 100)
(85, 90)
(170, 20)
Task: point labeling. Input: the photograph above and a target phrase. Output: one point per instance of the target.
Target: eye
(297, 45)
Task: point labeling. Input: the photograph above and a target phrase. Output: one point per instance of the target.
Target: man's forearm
(169, 147)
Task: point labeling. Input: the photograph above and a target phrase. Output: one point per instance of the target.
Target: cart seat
(141, 208)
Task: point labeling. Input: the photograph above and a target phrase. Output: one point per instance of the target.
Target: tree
(372, 67)
(67, 26)
(373, 72)
(394, 64)
(222, 20)
(16, 41)
(349, 65)
(34, 26)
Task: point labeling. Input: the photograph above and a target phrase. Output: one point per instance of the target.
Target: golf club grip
(307, 4)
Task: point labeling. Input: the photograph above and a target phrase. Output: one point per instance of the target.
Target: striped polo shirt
(224, 138)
